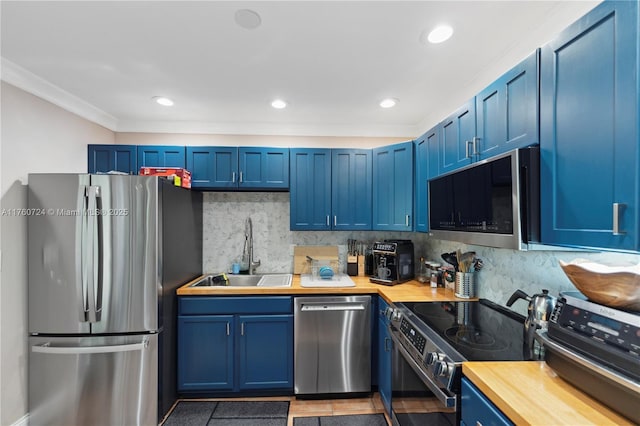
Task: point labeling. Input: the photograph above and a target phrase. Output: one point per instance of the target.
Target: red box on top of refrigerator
(182, 177)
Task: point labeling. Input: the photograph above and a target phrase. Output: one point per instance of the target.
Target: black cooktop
(478, 330)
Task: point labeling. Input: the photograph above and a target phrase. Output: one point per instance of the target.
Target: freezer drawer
(93, 380)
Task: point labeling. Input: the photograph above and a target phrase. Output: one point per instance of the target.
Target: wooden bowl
(616, 287)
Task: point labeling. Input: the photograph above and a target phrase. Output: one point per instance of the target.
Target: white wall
(36, 136)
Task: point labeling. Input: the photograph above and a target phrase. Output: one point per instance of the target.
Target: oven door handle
(448, 400)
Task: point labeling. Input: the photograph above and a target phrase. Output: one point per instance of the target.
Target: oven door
(415, 399)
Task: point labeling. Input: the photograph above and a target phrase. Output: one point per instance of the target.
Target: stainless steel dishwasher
(332, 341)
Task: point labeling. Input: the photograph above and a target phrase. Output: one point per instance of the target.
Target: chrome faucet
(248, 236)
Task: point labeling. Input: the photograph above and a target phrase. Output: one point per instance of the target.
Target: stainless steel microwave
(494, 202)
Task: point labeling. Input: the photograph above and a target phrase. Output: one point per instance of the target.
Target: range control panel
(603, 326)
(414, 336)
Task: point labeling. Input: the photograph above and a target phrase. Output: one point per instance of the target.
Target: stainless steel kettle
(539, 311)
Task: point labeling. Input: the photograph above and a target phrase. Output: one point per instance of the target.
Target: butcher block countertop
(530, 393)
(411, 291)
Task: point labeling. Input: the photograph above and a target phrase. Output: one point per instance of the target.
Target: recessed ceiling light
(248, 19)
(279, 104)
(163, 101)
(388, 103)
(439, 34)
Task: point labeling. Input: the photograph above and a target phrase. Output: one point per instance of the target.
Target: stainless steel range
(431, 341)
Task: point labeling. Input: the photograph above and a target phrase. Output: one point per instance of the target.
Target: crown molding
(37, 86)
(267, 129)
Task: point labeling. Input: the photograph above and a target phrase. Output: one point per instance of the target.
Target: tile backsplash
(504, 270)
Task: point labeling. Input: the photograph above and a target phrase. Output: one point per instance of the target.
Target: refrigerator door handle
(46, 348)
(93, 262)
(82, 270)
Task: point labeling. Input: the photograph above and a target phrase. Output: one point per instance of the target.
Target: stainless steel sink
(264, 280)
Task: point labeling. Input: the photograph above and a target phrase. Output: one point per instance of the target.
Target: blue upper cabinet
(507, 111)
(351, 189)
(231, 168)
(393, 187)
(108, 158)
(426, 166)
(458, 132)
(310, 192)
(330, 189)
(161, 156)
(213, 166)
(589, 136)
(264, 168)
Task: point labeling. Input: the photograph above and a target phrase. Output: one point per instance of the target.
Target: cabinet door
(589, 131)
(351, 183)
(458, 131)
(161, 156)
(393, 187)
(426, 166)
(310, 192)
(106, 158)
(384, 358)
(476, 409)
(205, 352)
(420, 197)
(507, 111)
(263, 168)
(265, 352)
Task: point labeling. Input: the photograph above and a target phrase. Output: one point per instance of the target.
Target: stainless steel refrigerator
(106, 254)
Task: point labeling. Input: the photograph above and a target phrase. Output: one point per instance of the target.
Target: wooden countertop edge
(531, 393)
(411, 291)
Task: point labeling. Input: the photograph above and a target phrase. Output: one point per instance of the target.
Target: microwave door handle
(524, 203)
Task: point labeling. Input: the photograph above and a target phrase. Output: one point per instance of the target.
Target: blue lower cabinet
(265, 352)
(477, 409)
(205, 352)
(384, 357)
(249, 350)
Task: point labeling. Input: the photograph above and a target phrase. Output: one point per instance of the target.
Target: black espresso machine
(393, 262)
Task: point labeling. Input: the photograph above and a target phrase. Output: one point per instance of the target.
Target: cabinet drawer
(202, 305)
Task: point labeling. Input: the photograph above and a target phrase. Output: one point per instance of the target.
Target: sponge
(325, 272)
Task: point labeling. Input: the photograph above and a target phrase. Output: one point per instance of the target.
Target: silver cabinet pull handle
(406, 220)
(335, 220)
(475, 142)
(328, 220)
(228, 329)
(233, 177)
(242, 328)
(618, 208)
(466, 149)
(240, 177)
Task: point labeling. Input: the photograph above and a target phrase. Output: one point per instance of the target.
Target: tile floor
(322, 407)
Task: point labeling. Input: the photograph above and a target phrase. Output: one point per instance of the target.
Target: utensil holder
(465, 285)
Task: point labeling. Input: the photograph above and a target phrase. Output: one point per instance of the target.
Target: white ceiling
(333, 61)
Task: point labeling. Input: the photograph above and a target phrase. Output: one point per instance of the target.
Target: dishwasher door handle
(329, 307)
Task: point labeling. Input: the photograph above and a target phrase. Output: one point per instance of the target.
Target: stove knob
(442, 369)
(395, 315)
(432, 357)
